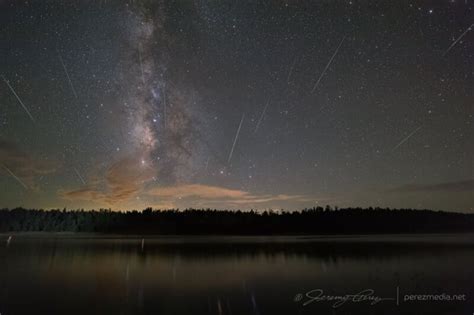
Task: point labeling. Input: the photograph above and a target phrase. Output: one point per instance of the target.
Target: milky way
(159, 137)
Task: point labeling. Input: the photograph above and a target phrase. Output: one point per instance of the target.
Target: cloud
(21, 166)
(458, 186)
(197, 190)
(215, 194)
(122, 181)
(122, 184)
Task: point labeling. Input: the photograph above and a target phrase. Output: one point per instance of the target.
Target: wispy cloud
(458, 186)
(128, 178)
(214, 194)
(122, 181)
(21, 166)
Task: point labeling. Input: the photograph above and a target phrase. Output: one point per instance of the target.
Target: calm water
(233, 275)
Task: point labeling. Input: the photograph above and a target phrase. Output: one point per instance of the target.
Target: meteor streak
(236, 138)
(67, 74)
(406, 138)
(327, 66)
(458, 39)
(19, 99)
(14, 176)
(79, 176)
(262, 116)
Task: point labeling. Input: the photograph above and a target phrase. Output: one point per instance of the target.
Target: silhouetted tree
(316, 220)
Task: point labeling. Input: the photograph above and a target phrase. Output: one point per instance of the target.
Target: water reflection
(210, 275)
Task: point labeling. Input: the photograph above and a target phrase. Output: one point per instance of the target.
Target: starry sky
(237, 104)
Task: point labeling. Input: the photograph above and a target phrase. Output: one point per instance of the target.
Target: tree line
(317, 220)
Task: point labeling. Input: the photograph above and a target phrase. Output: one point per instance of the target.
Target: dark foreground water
(67, 274)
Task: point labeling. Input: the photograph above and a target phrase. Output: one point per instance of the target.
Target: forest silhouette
(317, 220)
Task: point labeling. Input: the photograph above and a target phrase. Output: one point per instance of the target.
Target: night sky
(237, 104)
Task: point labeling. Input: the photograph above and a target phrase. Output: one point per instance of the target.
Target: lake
(90, 274)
